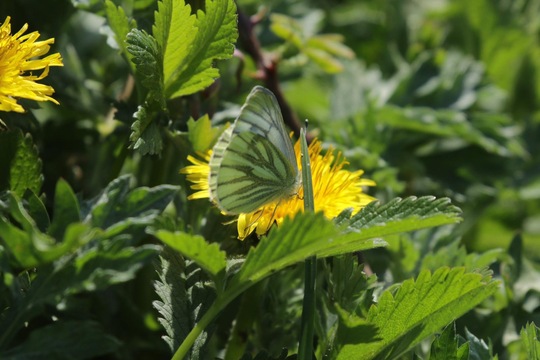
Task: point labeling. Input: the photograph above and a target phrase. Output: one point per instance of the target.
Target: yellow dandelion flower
(18, 58)
(334, 189)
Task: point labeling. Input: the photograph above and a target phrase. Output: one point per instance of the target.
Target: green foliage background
(102, 255)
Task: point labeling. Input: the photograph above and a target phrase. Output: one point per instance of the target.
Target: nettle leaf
(417, 310)
(184, 298)
(214, 40)
(312, 234)
(63, 340)
(454, 255)
(120, 25)
(397, 216)
(530, 345)
(174, 303)
(20, 165)
(208, 256)
(148, 58)
(145, 133)
(445, 346)
(175, 30)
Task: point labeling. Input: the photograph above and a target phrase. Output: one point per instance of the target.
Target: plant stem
(305, 347)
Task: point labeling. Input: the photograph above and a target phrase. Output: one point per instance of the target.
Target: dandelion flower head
(334, 189)
(19, 58)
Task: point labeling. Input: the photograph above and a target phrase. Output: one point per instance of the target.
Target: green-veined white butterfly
(253, 162)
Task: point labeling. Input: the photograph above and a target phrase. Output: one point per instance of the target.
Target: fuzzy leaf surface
(418, 309)
(214, 40)
(208, 256)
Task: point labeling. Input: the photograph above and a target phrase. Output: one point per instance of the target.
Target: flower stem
(305, 347)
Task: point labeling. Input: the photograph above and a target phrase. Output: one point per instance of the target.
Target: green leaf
(65, 340)
(37, 210)
(145, 133)
(208, 256)
(120, 25)
(311, 234)
(202, 135)
(478, 349)
(148, 58)
(174, 305)
(289, 244)
(98, 267)
(455, 255)
(175, 30)
(445, 346)
(184, 298)
(214, 40)
(29, 246)
(20, 165)
(66, 209)
(417, 310)
(530, 345)
(398, 215)
(118, 205)
(444, 123)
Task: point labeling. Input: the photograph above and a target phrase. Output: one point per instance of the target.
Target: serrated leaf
(185, 297)
(445, 346)
(174, 305)
(215, 40)
(65, 339)
(397, 216)
(145, 134)
(208, 256)
(175, 30)
(148, 59)
(202, 135)
(120, 25)
(417, 209)
(418, 309)
(66, 209)
(20, 165)
(530, 344)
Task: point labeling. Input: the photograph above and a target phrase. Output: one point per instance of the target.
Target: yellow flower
(18, 58)
(334, 190)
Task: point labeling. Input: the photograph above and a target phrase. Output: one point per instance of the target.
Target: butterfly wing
(250, 173)
(253, 162)
(261, 115)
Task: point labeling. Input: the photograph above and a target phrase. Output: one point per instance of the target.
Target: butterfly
(253, 162)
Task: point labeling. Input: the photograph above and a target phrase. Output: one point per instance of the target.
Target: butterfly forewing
(261, 115)
(253, 163)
